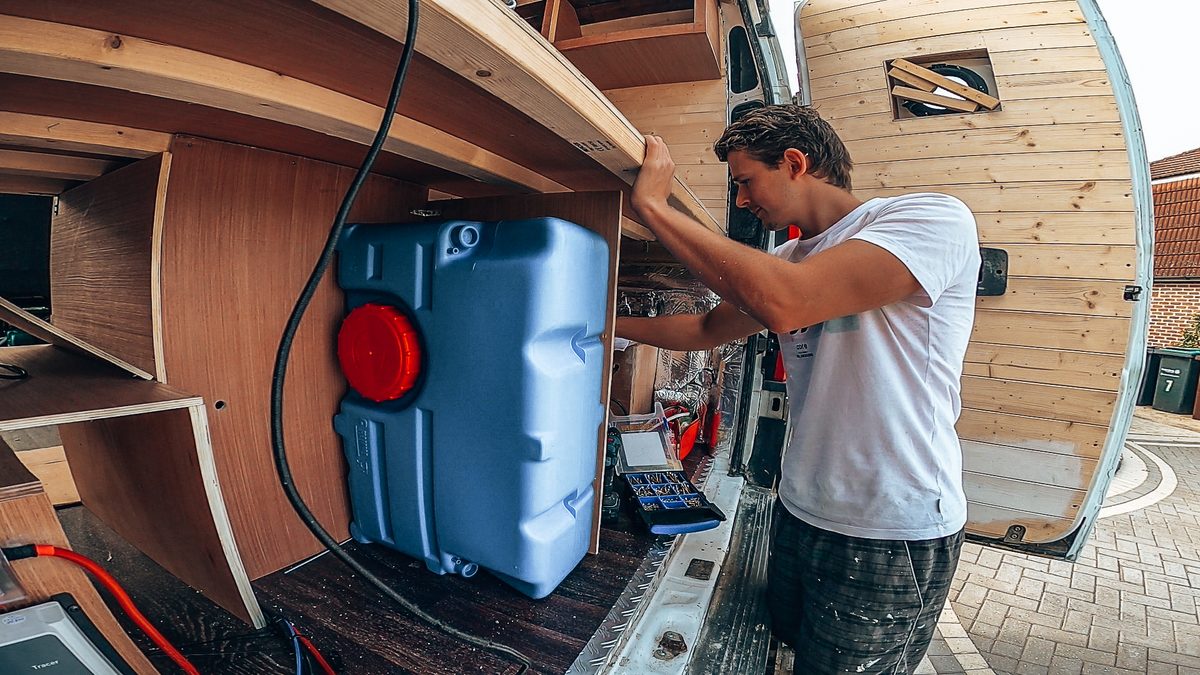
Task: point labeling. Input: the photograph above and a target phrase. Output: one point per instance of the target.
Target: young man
(873, 306)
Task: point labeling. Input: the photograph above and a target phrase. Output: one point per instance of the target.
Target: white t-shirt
(873, 397)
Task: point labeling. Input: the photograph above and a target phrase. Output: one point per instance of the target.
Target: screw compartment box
(491, 459)
(669, 503)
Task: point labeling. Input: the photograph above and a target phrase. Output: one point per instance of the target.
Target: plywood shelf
(679, 47)
(64, 388)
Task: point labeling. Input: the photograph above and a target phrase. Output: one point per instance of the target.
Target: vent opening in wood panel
(955, 83)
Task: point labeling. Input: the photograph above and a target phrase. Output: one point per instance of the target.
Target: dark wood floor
(360, 630)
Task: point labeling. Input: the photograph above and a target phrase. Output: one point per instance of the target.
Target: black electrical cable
(9, 371)
(284, 352)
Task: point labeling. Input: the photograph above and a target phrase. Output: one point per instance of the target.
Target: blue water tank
(490, 460)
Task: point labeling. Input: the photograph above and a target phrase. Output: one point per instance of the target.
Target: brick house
(1175, 182)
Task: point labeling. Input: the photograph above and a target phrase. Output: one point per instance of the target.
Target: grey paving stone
(1038, 651)
(1129, 604)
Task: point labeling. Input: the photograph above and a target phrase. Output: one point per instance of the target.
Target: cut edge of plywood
(220, 516)
(156, 246)
(48, 332)
(97, 413)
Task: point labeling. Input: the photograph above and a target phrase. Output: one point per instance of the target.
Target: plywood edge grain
(220, 515)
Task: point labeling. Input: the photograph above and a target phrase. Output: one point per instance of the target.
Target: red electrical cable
(122, 599)
(312, 649)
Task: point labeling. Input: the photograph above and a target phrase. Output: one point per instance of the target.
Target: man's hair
(767, 132)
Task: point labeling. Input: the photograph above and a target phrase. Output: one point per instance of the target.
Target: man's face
(763, 189)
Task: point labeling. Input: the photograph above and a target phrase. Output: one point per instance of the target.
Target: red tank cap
(380, 352)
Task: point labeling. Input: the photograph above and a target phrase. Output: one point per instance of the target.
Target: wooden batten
(51, 468)
(32, 185)
(1047, 175)
(44, 49)
(46, 165)
(69, 135)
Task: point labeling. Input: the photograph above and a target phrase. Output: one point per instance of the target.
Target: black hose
(279, 374)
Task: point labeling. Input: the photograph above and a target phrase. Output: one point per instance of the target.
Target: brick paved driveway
(1128, 605)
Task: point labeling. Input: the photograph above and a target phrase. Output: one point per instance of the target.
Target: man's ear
(795, 162)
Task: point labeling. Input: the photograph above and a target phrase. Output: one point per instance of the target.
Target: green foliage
(1191, 334)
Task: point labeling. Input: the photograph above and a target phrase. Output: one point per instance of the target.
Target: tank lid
(379, 351)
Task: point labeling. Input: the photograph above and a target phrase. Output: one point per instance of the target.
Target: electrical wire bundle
(113, 587)
(299, 641)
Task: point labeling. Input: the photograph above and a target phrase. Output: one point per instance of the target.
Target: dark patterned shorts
(853, 605)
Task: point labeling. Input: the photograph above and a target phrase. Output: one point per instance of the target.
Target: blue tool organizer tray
(669, 503)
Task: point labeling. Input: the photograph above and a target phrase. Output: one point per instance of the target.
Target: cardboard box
(634, 370)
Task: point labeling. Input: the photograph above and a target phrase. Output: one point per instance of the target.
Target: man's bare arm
(689, 332)
(849, 278)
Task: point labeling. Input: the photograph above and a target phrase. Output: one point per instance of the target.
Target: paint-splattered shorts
(852, 605)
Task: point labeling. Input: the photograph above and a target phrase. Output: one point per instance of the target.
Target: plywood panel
(27, 517)
(261, 218)
(599, 212)
(46, 332)
(64, 387)
(101, 245)
(142, 476)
